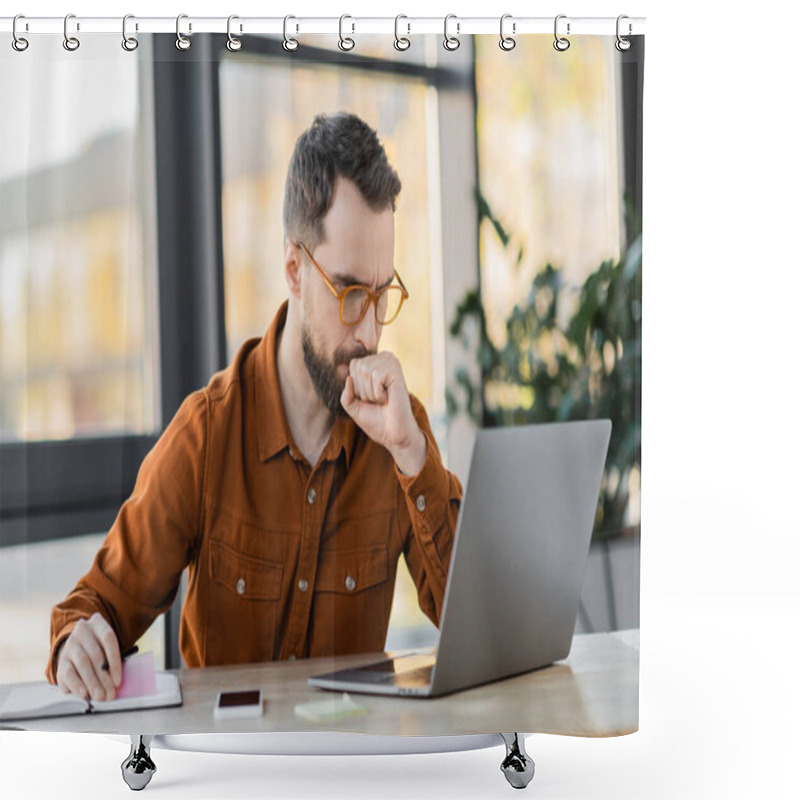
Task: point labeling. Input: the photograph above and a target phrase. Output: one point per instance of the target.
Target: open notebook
(142, 687)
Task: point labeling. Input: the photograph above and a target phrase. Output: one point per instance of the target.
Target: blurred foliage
(589, 368)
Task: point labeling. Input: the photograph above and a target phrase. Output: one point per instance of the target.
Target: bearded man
(290, 485)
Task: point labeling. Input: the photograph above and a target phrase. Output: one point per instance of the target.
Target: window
(79, 345)
(558, 195)
(554, 212)
(558, 187)
(78, 352)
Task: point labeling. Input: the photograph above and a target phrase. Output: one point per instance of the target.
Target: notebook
(137, 691)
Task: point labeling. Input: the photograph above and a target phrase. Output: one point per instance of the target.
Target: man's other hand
(89, 661)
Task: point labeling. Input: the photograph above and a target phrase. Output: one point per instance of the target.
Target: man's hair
(340, 145)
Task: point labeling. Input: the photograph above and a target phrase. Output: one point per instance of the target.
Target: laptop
(517, 565)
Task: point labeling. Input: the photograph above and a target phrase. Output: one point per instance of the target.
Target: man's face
(358, 248)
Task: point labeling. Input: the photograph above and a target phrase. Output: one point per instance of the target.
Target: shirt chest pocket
(243, 606)
(351, 572)
(352, 600)
(248, 577)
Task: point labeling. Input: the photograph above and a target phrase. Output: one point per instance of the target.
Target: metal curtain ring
(401, 42)
(129, 43)
(182, 43)
(451, 42)
(622, 44)
(507, 42)
(345, 42)
(560, 43)
(70, 42)
(233, 44)
(19, 43)
(289, 43)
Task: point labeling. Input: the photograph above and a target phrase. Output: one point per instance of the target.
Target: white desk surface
(594, 692)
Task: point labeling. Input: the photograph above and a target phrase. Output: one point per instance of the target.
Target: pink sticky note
(138, 676)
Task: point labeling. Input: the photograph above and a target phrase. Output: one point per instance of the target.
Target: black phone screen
(233, 699)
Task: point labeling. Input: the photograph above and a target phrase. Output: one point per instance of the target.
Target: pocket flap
(352, 571)
(250, 578)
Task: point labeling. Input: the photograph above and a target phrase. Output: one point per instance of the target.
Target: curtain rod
(351, 25)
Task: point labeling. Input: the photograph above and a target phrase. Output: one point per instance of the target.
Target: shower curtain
(144, 246)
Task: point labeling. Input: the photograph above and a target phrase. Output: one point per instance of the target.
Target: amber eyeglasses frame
(373, 297)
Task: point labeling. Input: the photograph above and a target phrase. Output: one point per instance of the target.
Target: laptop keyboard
(421, 676)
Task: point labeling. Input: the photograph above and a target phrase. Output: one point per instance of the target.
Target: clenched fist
(376, 397)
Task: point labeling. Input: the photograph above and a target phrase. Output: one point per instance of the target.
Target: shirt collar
(271, 425)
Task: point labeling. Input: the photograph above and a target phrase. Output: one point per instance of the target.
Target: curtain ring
(19, 43)
(561, 44)
(345, 42)
(401, 42)
(622, 44)
(507, 42)
(182, 43)
(288, 42)
(129, 43)
(451, 42)
(233, 44)
(70, 42)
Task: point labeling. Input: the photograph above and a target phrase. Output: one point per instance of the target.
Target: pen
(127, 653)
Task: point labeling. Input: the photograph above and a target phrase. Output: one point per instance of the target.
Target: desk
(594, 692)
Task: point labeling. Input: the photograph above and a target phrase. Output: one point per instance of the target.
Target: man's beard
(328, 385)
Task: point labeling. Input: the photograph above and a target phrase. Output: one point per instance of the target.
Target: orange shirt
(285, 559)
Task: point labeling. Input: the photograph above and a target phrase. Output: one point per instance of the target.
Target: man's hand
(376, 397)
(81, 658)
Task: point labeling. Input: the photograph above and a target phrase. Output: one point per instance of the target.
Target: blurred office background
(141, 200)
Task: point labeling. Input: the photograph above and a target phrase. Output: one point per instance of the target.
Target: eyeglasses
(355, 300)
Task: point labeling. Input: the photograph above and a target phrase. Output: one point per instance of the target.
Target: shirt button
(241, 586)
(312, 496)
(421, 502)
(302, 584)
(350, 583)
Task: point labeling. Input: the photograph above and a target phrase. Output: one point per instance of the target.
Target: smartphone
(237, 705)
